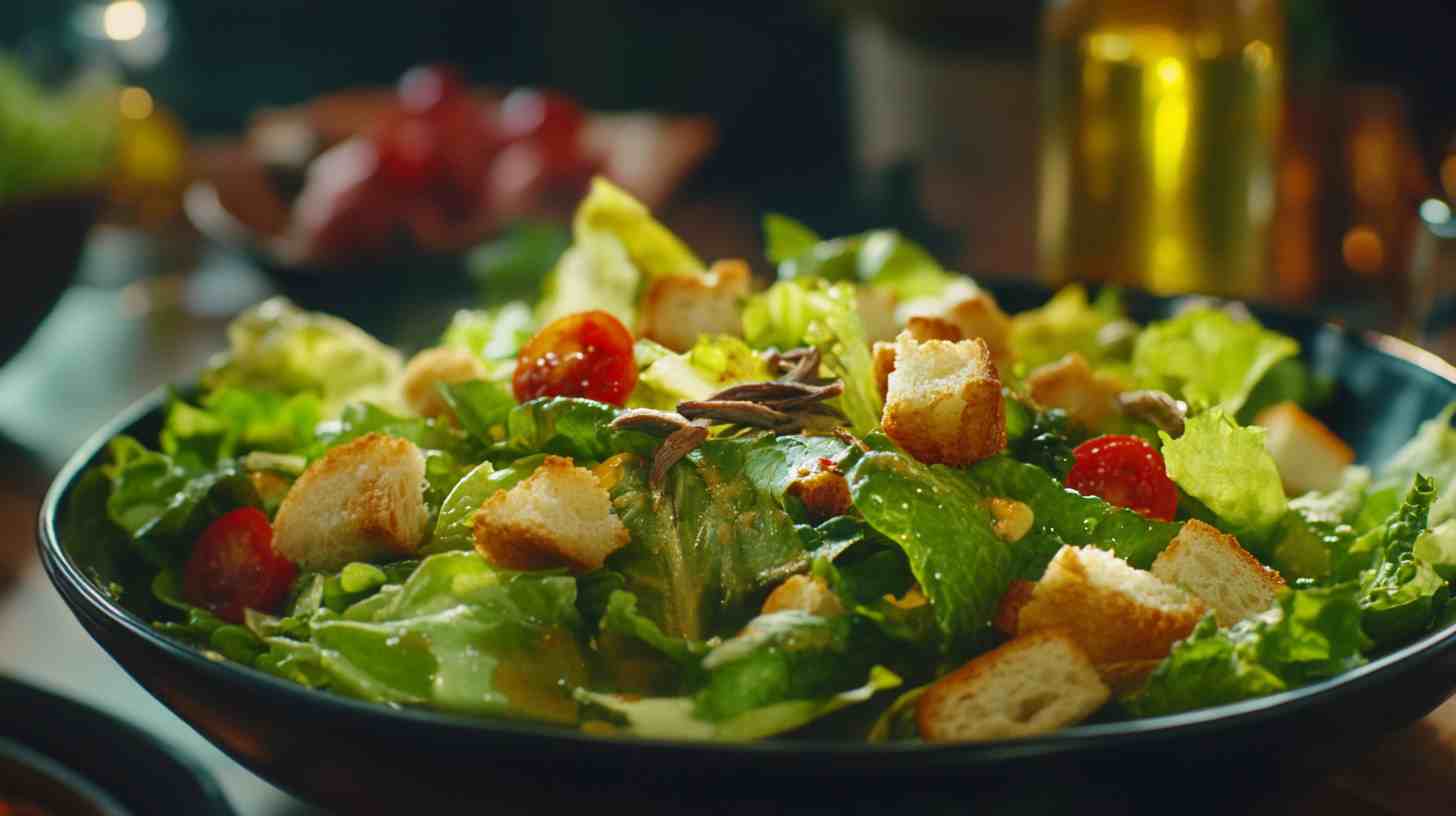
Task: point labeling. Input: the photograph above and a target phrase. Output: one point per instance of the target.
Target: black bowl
(46, 235)
(361, 757)
(68, 758)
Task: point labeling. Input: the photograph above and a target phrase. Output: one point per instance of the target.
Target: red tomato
(409, 153)
(586, 354)
(1125, 471)
(234, 567)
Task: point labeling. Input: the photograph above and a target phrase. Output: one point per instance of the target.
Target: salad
(653, 498)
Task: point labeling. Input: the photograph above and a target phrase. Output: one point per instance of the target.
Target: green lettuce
(1312, 634)
(712, 364)
(54, 142)
(1432, 452)
(878, 257)
(1067, 323)
(1401, 594)
(275, 346)
(811, 312)
(493, 334)
(1228, 469)
(1208, 357)
(1437, 547)
(569, 426)
(510, 268)
(232, 421)
(481, 406)
(457, 635)
(454, 526)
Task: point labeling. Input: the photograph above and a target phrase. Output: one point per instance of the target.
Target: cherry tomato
(234, 567)
(548, 119)
(1125, 471)
(586, 354)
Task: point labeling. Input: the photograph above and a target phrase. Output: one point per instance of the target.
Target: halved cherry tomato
(234, 567)
(586, 354)
(1125, 471)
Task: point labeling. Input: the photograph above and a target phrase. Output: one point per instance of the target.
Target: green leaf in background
(513, 266)
(879, 258)
(785, 238)
(1437, 547)
(712, 364)
(457, 635)
(1312, 634)
(1432, 452)
(1063, 516)
(275, 346)
(811, 312)
(1066, 323)
(1208, 357)
(1228, 469)
(233, 421)
(497, 333)
(1401, 594)
(54, 142)
(936, 515)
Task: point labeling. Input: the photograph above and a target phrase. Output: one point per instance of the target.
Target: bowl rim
(70, 580)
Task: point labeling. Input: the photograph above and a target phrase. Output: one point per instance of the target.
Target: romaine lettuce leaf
(1208, 357)
(712, 364)
(1228, 469)
(1064, 324)
(569, 426)
(1432, 452)
(1437, 547)
(512, 266)
(233, 421)
(936, 515)
(785, 238)
(810, 312)
(493, 334)
(481, 407)
(637, 657)
(1312, 634)
(878, 257)
(457, 635)
(275, 346)
(1401, 594)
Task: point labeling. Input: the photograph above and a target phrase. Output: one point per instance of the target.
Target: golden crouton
(884, 363)
(1032, 685)
(1224, 575)
(1088, 397)
(360, 501)
(927, 327)
(1114, 612)
(680, 308)
(824, 492)
(980, 316)
(1309, 455)
(432, 367)
(1127, 676)
(1008, 610)
(943, 401)
(876, 307)
(805, 594)
(560, 515)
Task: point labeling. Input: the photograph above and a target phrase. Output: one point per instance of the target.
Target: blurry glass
(1160, 123)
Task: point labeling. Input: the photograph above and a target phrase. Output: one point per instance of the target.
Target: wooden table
(111, 340)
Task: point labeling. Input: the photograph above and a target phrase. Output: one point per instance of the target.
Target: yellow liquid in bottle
(1158, 155)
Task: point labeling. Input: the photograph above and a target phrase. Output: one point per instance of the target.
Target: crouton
(943, 401)
(431, 367)
(1114, 612)
(824, 492)
(1008, 610)
(680, 308)
(805, 594)
(920, 327)
(1088, 397)
(1011, 520)
(979, 316)
(560, 515)
(876, 307)
(360, 501)
(884, 363)
(1223, 575)
(1309, 455)
(1032, 685)
(1127, 676)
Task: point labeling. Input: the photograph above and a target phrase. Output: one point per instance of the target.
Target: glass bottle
(1159, 133)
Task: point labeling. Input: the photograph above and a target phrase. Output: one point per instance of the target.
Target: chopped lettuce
(936, 515)
(275, 346)
(1227, 468)
(1437, 547)
(617, 248)
(232, 421)
(497, 333)
(457, 635)
(812, 312)
(481, 407)
(1432, 451)
(1401, 593)
(1208, 357)
(510, 268)
(1066, 323)
(712, 364)
(879, 257)
(54, 142)
(1312, 634)
(569, 426)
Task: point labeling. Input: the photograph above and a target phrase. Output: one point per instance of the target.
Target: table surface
(123, 330)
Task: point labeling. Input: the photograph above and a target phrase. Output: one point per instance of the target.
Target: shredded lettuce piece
(1208, 357)
(1228, 469)
(1067, 323)
(878, 257)
(811, 312)
(275, 346)
(493, 334)
(511, 267)
(1432, 451)
(712, 364)
(1401, 593)
(233, 421)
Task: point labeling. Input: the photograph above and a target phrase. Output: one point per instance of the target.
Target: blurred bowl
(43, 237)
(360, 757)
(66, 758)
